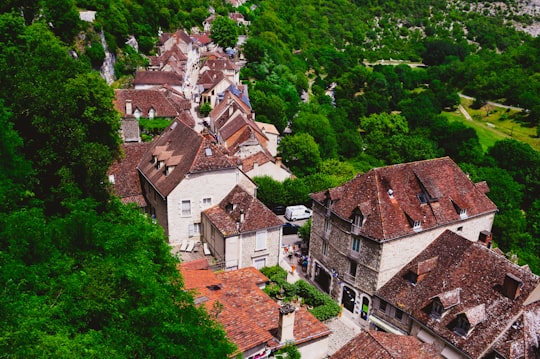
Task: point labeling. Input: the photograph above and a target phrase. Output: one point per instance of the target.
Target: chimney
(512, 286)
(278, 161)
(129, 107)
(485, 237)
(286, 323)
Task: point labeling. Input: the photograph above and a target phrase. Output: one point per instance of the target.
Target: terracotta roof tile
(158, 78)
(480, 273)
(425, 192)
(199, 154)
(144, 100)
(380, 345)
(248, 315)
(226, 215)
(127, 184)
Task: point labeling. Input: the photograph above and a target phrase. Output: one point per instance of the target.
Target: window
(382, 305)
(399, 314)
(462, 326)
(259, 262)
(356, 244)
(460, 229)
(358, 220)
(194, 229)
(352, 268)
(185, 207)
(326, 225)
(325, 248)
(206, 202)
(436, 309)
(260, 240)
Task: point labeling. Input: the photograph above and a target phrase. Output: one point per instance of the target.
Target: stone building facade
(366, 230)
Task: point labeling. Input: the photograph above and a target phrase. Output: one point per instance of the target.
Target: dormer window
(462, 326)
(137, 113)
(151, 113)
(415, 224)
(422, 198)
(461, 211)
(169, 169)
(437, 309)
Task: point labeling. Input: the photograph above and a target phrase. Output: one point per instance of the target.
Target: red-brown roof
(248, 315)
(156, 78)
(127, 185)
(439, 183)
(198, 154)
(260, 158)
(144, 100)
(480, 273)
(379, 345)
(226, 216)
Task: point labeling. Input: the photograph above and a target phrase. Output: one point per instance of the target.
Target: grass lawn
(494, 123)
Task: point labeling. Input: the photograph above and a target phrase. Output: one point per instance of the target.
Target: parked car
(293, 213)
(290, 228)
(279, 210)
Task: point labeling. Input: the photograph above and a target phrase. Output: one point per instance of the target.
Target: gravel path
(341, 334)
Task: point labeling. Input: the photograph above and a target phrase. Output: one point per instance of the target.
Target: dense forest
(88, 277)
(84, 275)
(361, 116)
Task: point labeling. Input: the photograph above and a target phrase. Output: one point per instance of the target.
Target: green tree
(205, 109)
(224, 32)
(300, 153)
(97, 284)
(270, 192)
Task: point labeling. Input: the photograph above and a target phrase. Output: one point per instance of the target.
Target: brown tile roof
(249, 316)
(144, 100)
(210, 78)
(203, 38)
(158, 78)
(480, 273)
(260, 158)
(198, 154)
(441, 182)
(127, 185)
(174, 57)
(227, 214)
(219, 64)
(379, 345)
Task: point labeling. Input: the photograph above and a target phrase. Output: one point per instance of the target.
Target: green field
(494, 123)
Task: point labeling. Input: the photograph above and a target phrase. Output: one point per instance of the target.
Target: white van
(292, 213)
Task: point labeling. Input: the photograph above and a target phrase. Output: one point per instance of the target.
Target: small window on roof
(208, 152)
(462, 326)
(436, 309)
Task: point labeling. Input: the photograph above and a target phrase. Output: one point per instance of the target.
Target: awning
(385, 326)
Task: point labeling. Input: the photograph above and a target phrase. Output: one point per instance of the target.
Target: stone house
(172, 60)
(263, 164)
(252, 320)
(184, 172)
(366, 230)
(145, 80)
(124, 177)
(465, 299)
(157, 102)
(242, 232)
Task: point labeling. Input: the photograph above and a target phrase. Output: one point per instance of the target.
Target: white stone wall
(269, 169)
(248, 253)
(216, 185)
(316, 349)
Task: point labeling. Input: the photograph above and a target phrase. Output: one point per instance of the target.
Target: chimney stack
(278, 161)
(129, 107)
(286, 323)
